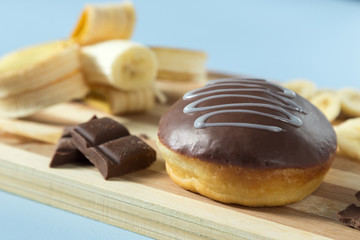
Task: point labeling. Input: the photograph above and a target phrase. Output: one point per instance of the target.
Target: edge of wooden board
(129, 205)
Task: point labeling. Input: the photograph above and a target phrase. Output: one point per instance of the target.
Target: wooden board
(149, 203)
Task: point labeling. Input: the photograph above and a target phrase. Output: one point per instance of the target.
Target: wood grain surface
(149, 203)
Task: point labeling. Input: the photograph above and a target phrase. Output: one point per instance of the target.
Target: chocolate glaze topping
(248, 122)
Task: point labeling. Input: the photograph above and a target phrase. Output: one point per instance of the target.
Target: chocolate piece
(357, 195)
(248, 123)
(144, 136)
(66, 152)
(350, 216)
(109, 147)
(125, 155)
(97, 131)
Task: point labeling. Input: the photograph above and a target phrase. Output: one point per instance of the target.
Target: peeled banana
(303, 87)
(180, 64)
(328, 102)
(122, 64)
(350, 102)
(70, 87)
(348, 135)
(119, 102)
(36, 66)
(104, 22)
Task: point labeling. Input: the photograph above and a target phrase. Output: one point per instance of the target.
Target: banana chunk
(36, 66)
(303, 87)
(348, 135)
(99, 23)
(180, 64)
(68, 88)
(350, 102)
(115, 101)
(328, 102)
(122, 64)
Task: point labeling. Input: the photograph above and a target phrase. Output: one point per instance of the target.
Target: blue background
(277, 39)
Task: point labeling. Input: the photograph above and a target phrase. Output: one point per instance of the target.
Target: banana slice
(36, 66)
(348, 135)
(115, 101)
(303, 87)
(99, 23)
(122, 64)
(350, 102)
(180, 64)
(328, 102)
(70, 87)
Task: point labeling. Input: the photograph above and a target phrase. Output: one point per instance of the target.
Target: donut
(246, 141)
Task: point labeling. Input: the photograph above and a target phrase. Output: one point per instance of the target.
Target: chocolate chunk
(357, 195)
(144, 136)
(126, 155)
(66, 152)
(97, 131)
(67, 132)
(109, 147)
(350, 216)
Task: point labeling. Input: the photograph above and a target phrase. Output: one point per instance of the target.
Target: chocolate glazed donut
(246, 141)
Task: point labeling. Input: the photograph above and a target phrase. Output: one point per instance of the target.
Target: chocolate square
(108, 145)
(125, 155)
(66, 152)
(97, 131)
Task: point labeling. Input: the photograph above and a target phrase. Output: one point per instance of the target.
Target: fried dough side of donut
(240, 185)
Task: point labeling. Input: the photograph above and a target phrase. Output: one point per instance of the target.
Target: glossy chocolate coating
(313, 143)
(357, 195)
(98, 131)
(108, 145)
(66, 152)
(125, 155)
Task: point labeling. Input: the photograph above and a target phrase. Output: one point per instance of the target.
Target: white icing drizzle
(281, 99)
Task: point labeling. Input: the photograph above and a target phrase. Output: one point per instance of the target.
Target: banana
(348, 135)
(180, 64)
(33, 130)
(122, 64)
(160, 96)
(116, 101)
(70, 87)
(350, 102)
(328, 102)
(36, 66)
(99, 23)
(303, 87)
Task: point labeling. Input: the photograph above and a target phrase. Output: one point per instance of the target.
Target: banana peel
(177, 64)
(99, 23)
(37, 131)
(35, 66)
(64, 89)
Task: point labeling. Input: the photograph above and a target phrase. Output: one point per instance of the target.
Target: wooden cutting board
(149, 203)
